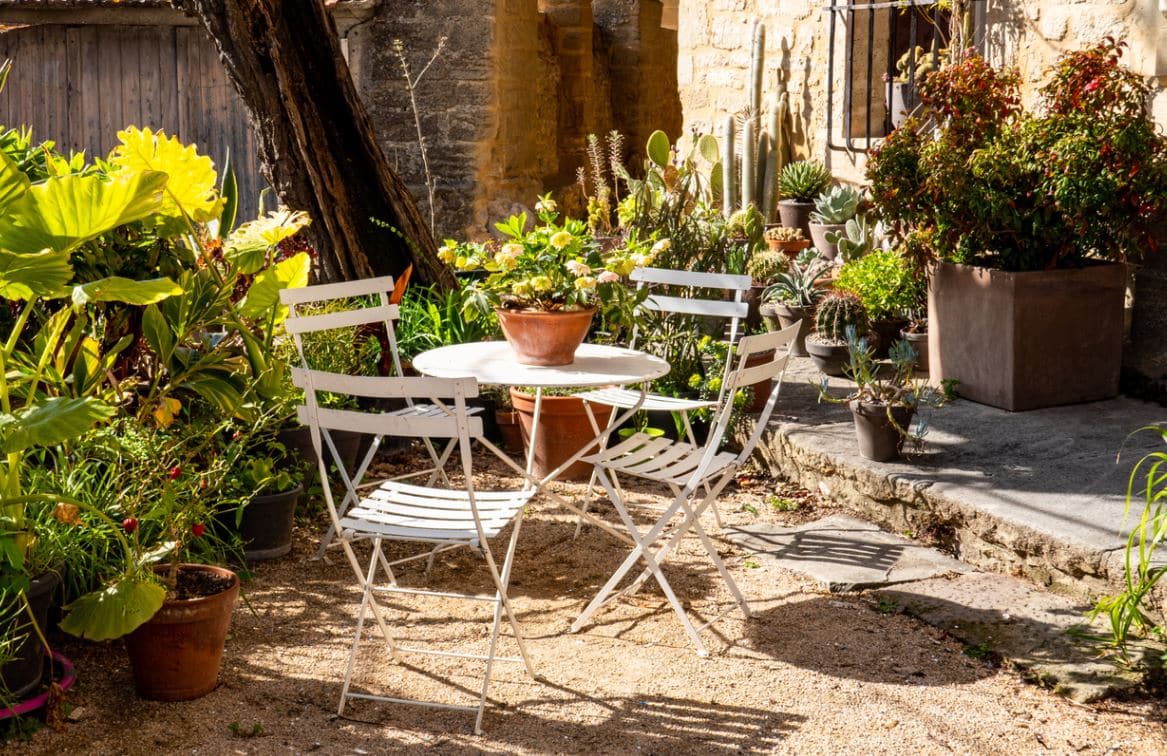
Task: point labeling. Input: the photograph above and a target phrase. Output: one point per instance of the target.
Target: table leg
(534, 432)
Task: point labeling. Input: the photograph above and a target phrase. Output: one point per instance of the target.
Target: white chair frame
(442, 518)
(695, 475)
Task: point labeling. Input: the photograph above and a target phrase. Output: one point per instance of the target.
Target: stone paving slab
(1030, 627)
(845, 554)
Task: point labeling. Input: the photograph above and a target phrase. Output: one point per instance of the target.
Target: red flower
(175, 472)
(130, 524)
(1093, 84)
(198, 529)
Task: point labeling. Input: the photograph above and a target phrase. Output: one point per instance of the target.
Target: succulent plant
(784, 234)
(855, 240)
(804, 180)
(795, 287)
(836, 206)
(838, 311)
(766, 265)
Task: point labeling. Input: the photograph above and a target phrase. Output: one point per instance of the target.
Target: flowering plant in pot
(547, 282)
(884, 404)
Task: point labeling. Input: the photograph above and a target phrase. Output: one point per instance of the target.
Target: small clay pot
(878, 439)
(545, 338)
(778, 316)
(919, 342)
(796, 214)
(563, 430)
(790, 248)
(23, 674)
(828, 357)
(266, 525)
(818, 235)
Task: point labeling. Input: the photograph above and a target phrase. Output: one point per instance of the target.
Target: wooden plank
(129, 46)
(56, 93)
(149, 77)
(90, 92)
(182, 74)
(74, 107)
(6, 45)
(168, 80)
(109, 89)
(13, 115)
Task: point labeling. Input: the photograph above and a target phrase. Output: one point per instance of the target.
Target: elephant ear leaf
(63, 212)
(13, 181)
(126, 290)
(36, 274)
(52, 422)
(247, 246)
(264, 293)
(114, 611)
(191, 189)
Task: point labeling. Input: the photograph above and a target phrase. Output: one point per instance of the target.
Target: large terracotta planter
(1021, 341)
(175, 655)
(878, 439)
(23, 674)
(563, 430)
(778, 316)
(545, 338)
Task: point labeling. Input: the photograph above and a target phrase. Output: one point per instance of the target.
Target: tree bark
(316, 139)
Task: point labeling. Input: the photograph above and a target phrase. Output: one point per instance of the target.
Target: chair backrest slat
(696, 279)
(686, 306)
(341, 290)
(380, 387)
(342, 319)
(382, 424)
(749, 376)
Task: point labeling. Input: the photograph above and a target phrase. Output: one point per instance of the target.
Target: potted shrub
(885, 284)
(789, 241)
(799, 184)
(883, 405)
(267, 482)
(763, 268)
(832, 209)
(793, 296)
(546, 283)
(827, 346)
(1023, 219)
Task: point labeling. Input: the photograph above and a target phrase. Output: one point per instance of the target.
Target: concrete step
(1036, 494)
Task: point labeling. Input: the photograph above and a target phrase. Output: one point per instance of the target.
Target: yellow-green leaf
(191, 189)
(264, 293)
(37, 274)
(247, 246)
(114, 611)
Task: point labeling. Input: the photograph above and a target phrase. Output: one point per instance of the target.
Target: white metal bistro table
(494, 363)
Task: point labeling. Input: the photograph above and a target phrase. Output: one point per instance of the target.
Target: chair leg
(579, 523)
(693, 440)
(370, 604)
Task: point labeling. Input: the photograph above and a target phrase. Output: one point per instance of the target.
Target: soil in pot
(266, 525)
(796, 214)
(175, 656)
(545, 338)
(829, 357)
(818, 235)
(878, 439)
(778, 316)
(24, 673)
(563, 430)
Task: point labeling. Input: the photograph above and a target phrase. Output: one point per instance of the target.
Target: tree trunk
(315, 138)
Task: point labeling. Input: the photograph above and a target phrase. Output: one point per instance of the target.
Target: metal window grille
(877, 35)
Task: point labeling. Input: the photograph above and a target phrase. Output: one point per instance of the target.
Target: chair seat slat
(627, 398)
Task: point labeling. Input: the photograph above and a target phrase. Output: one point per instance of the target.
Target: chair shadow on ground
(822, 547)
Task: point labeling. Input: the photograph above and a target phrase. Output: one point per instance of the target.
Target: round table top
(493, 362)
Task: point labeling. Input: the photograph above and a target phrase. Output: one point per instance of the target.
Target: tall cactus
(757, 59)
(728, 174)
(749, 185)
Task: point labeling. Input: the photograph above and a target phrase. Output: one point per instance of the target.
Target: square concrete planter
(1021, 341)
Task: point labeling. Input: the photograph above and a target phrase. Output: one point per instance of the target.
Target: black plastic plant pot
(879, 440)
(266, 526)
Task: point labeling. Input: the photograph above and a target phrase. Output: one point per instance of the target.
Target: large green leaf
(114, 611)
(191, 189)
(658, 148)
(126, 290)
(65, 211)
(158, 333)
(13, 181)
(34, 274)
(264, 293)
(247, 246)
(52, 422)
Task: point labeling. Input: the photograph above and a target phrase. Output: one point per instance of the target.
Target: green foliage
(884, 283)
(796, 287)
(766, 265)
(837, 313)
(836, 205)
(804, 180)
(855, 240)
(431, 318)
(1082, 177)
(1127, 610)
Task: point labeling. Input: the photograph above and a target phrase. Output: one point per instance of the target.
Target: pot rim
(205, 568)
(534, 313)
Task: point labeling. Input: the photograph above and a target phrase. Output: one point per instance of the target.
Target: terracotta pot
(266, 525)
(1021, 341)
(828, 358)
(818, 235)
(789, 248)
(919, 342)
(563, 430)
(175, 655)
(761, 389)
(23, 674)
(778, 316)
(878, 439)
(796, 214)
(509, 431)
(545, 338)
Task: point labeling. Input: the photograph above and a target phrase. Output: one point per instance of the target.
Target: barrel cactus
(766, 265)
(804, 180)
(838, 311)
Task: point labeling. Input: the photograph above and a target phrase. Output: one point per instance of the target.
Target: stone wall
(506, 107)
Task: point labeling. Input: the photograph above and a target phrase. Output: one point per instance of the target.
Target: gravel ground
(810, 673)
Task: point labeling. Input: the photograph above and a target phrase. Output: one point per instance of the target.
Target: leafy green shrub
(883, 281)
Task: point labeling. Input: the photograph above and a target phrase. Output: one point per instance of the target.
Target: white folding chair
(695, 474)
(689, 283)
(348, 312)
(442, 518)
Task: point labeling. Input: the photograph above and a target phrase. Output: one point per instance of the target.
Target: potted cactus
(800, 184)
(763, 268)
(832, 210)
(827, 346)
(793, 296)
(787, 240)
(854, 240)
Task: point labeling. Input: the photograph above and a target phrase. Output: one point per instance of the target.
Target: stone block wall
(506, 107)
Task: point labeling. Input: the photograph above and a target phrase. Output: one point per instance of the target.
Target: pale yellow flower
(661, 247)
(560, 239)
(640, 261)
(585, 283)
(546, 205)
(447, 255)
(541, 283)
(609, 277)
(577, 268)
